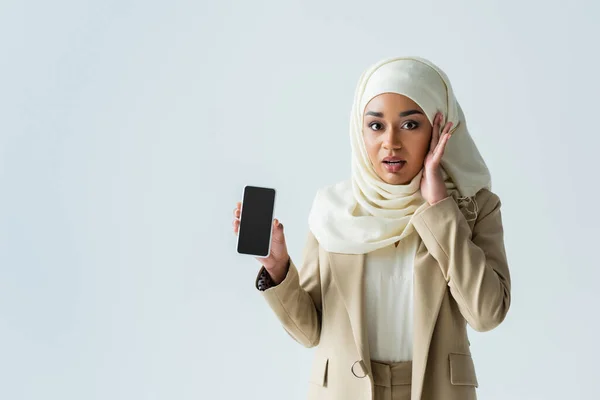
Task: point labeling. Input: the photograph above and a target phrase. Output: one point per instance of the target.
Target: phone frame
(272, 218)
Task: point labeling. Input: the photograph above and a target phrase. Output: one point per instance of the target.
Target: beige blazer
(461, 276)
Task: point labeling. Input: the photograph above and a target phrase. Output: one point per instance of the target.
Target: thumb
(278, 229)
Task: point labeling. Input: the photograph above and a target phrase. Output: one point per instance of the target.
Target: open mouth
(394, 166)
(395, 162)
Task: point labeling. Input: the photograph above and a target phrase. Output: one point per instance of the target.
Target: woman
(400, 257)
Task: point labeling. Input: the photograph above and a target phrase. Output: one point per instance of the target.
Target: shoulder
(487, 196)
(487, 202)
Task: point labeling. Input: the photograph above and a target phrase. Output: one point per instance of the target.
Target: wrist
(279, 272)
(438, 199)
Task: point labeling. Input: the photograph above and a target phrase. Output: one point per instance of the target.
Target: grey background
(129, 128)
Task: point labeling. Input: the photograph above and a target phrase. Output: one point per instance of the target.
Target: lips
(393, 164)
(393, 159)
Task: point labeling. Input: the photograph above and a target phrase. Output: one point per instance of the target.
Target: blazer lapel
(429, 288)
(348, 274)
(428, 292)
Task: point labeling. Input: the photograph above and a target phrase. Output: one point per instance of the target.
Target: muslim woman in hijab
(401, 256)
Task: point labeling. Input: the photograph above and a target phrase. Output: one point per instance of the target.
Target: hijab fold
(365, 213)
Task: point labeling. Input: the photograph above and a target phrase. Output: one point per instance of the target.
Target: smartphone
(256, 221)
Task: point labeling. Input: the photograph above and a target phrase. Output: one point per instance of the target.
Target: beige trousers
(392, 380)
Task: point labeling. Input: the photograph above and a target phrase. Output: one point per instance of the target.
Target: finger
(435, 133)
(447, 127)
(445, 132)
(439, 151)
(236, 226)
(440, 145)
(236, 213)
(277, 231)
(278, 225)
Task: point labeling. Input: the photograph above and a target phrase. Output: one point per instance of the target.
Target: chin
(396, 179)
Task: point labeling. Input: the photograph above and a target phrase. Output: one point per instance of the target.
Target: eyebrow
(402, 114)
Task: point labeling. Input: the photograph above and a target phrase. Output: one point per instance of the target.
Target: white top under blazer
(389, 300)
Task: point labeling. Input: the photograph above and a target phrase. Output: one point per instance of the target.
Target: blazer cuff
(264, 281)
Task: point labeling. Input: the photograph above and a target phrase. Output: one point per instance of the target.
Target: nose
(391, 140)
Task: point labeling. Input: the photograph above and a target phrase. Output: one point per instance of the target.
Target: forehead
(391, 101)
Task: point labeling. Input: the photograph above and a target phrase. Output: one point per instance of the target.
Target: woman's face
(395, 126)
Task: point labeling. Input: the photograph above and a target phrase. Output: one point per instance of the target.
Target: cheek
(418, 145)
(425, 141)
(425, 145)
(370, 142)
(372, 146)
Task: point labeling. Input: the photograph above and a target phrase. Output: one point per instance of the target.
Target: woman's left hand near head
(433, 188)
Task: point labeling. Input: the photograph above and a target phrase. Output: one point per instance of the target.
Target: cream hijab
(365, 213)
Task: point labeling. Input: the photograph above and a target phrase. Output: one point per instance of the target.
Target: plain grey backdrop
(129, 128)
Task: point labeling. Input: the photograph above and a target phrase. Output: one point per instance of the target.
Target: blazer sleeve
(296, 300)
(473, 262)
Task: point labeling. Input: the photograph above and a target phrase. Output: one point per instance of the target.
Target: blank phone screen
(254, 235)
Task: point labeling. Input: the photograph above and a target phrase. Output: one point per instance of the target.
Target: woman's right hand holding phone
(276, 263)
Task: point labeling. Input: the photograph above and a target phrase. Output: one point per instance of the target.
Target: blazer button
(361, 367)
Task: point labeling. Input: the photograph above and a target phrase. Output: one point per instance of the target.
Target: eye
(372, 124)
(413, 125)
